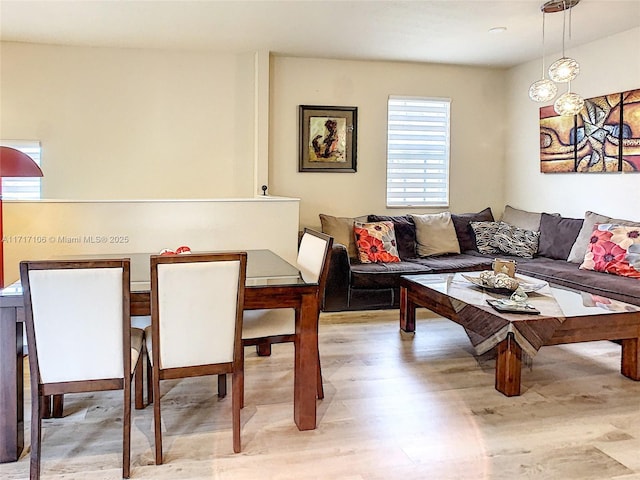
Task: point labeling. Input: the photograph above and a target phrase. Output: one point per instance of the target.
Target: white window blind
(418, 151)
(22, 188)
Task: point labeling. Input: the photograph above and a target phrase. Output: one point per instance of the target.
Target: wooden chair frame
(263, 344)
(235, 367)
(41, 392)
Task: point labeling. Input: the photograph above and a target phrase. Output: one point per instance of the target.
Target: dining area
(183, 302)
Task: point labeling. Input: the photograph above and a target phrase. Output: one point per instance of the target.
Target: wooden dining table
(271, 283)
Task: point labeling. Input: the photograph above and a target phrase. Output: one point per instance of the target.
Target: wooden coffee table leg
(407, 312)
(631, 358)
(508, 367)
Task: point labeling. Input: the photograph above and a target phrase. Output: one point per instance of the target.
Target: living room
(122, 123)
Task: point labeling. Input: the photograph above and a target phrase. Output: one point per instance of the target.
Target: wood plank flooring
(396, 406)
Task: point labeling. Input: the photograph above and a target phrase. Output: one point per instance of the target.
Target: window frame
(23, 188)
(435, 156)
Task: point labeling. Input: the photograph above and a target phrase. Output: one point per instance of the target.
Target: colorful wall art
(603, 137)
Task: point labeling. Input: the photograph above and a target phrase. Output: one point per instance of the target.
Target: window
(22, 188)
(418, 152)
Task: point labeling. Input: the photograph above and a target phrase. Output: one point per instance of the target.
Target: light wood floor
(397, 407)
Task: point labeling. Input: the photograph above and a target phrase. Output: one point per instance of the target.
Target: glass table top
(264, 267)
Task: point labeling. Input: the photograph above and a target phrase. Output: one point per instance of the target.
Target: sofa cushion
(341, 229)
(455, 262)
(387, 275)
(376, 242)
(383, 275)
(521, 218)
(557, 235)
(464, 232)
(581, 245)
(614, 249)
(405, 233)
(435, 234)
(561, 272)
(484, 232)
(516, 241)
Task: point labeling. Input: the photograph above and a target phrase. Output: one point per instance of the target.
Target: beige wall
(477, 126)
(127, 123)
(130, 124)
(607, 66)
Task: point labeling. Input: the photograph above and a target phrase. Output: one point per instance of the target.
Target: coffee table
(566, 316)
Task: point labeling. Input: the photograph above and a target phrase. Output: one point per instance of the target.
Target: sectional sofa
(556, 251)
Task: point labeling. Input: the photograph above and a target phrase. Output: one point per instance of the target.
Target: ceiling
(451, 31)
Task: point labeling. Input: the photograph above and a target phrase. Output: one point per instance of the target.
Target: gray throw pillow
(557, 235)
(521, 218)
(579, 248)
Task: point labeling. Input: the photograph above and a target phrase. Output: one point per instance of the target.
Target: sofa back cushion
(435, 234)
(464, 232)
(341, 229)
(405, 233)
(521, 218)
(581, 246)
(557, 235)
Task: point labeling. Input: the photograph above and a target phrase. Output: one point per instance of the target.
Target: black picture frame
(327, 138)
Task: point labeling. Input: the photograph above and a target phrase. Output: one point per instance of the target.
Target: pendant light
(568, 104)
(564, 69)
(544, 89)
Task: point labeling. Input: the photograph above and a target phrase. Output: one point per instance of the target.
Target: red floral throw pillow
(376, 242)
(614, 249)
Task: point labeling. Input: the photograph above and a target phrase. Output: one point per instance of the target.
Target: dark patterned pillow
(484, 232)
(516, 241)
(461, 221)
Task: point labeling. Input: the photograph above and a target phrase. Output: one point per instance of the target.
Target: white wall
(44, 229)
(607, 66)
(477, 131)
(126, 123)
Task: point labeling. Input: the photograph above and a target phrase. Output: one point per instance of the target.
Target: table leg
(631, 358)
(306, 363)
(407, 312)
(11, 387)
(508, 367)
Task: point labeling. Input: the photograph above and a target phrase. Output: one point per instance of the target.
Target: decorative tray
(526, 287)
(508, 306)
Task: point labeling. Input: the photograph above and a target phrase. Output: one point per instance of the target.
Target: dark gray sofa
(352, 285)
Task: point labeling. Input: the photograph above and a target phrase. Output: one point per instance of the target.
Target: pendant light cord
(543, 51)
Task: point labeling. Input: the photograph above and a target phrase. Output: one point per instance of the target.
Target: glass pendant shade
(568, 104)
(564, 70)
(543, 90)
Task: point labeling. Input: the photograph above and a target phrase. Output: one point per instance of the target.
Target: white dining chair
(196, 324)
(79, 337)
(265, 327)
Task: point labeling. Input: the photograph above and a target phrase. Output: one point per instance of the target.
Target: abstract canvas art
(603, 137)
